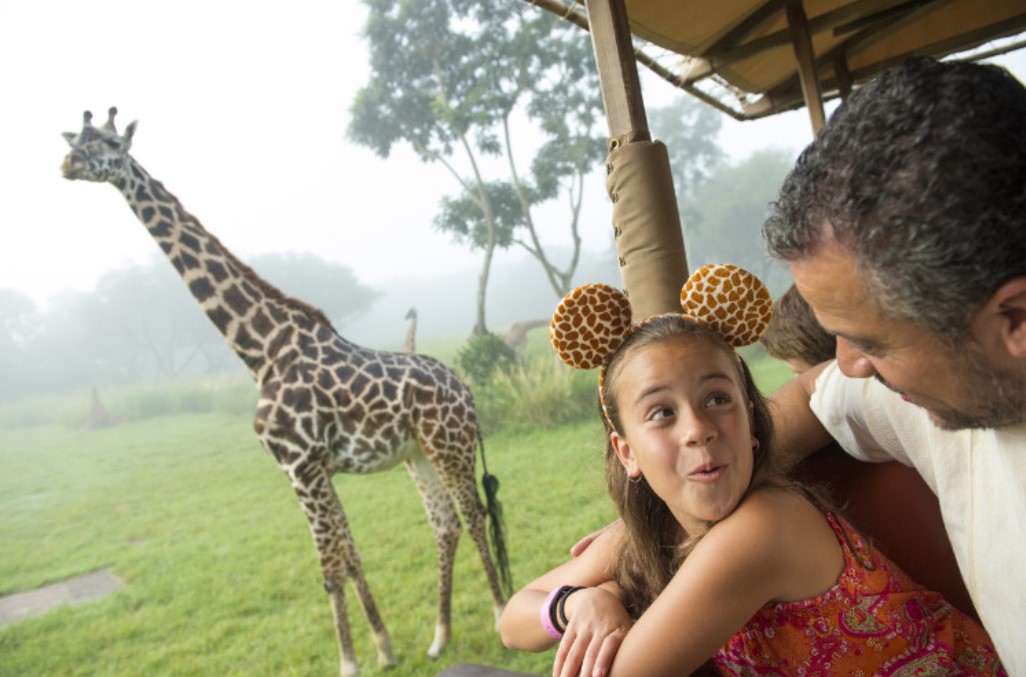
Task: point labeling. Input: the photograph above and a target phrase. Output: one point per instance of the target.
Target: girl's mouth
(709, 473)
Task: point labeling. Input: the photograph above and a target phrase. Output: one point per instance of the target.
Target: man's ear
(623, 451)
(1006, 313)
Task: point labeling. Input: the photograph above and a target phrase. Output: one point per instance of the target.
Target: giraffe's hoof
(436, 649)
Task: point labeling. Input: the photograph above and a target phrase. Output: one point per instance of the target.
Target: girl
(717, 558)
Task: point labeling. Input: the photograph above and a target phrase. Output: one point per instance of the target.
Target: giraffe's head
(97, 153)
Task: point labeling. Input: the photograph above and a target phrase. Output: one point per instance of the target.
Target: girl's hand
(597, 625)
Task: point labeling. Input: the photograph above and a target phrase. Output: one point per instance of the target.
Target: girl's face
(686, 426)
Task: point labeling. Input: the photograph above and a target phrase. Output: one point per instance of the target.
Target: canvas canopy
(752, 58)
(749, 59)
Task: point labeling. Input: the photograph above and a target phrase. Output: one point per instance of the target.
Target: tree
(732, 205)
(149, 322)
(328, 286)
(141, 323)
(689, 128)
(450, 77)
(18, 329)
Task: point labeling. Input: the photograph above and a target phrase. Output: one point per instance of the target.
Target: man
(904, 226)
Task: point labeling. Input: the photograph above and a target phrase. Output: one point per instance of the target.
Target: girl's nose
(698, 431)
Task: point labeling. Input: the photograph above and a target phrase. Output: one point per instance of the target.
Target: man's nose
(852, 361)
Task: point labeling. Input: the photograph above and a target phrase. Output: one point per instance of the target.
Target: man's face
(959, 388)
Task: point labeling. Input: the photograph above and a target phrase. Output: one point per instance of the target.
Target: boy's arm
(797, 430)
(582, 545)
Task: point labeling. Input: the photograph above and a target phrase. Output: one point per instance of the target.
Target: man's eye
(872, 351)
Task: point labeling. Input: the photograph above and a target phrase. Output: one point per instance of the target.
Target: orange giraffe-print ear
(731, 300)
(589, 324)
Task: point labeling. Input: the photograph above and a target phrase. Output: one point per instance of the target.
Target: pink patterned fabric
(874, 621)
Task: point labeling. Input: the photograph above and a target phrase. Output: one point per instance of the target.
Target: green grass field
(220, 570)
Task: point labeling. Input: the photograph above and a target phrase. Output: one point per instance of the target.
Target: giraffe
(516, 337)
(325, 405)
(410, 345)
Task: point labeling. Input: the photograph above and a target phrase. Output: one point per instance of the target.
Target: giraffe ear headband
(593, 320)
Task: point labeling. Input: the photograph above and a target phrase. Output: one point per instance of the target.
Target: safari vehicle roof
(753, 58)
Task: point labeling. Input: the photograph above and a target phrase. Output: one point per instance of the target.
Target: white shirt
(979, 477)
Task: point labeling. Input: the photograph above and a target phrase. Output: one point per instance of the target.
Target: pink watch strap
(546, 615)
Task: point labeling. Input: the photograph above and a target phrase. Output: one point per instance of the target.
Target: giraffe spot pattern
(731, 300)
(202, 289)
(217, 271)
(589, 324)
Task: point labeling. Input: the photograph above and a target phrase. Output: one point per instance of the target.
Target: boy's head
(795, 336)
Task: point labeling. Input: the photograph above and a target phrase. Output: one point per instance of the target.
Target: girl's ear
(622, 449)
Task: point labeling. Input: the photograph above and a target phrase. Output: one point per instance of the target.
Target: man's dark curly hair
(922, 175)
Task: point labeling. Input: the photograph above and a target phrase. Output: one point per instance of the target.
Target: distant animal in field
(410, 345)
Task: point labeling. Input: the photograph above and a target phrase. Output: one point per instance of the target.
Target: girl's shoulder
(783, 533)
(762, 520)
(779, 507)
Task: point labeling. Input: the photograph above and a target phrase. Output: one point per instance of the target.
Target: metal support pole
(798, 24)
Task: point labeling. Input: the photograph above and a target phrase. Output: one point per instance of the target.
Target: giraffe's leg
(340, 560)
(445, 522)
(462, 486)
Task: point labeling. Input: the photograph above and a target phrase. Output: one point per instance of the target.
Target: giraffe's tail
(496, 524)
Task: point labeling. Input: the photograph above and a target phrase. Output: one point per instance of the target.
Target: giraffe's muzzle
(72, 166)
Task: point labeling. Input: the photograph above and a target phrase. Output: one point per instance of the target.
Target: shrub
(539, 393)
(482, 356)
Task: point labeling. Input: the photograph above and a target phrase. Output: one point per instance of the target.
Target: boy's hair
(655, 545)
(794, 333)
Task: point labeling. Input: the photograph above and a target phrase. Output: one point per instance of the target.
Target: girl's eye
(661, 412)
(718, 399)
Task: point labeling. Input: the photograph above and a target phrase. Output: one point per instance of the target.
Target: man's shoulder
(870, 421)
(837, 395)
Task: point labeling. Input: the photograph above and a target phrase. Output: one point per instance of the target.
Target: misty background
(245, 112)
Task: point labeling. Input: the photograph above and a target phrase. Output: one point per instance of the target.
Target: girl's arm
(598, 623)
(775, 547)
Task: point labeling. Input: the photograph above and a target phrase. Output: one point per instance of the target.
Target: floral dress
(874, 621)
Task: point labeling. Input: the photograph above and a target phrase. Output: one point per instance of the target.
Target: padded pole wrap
(649, 241)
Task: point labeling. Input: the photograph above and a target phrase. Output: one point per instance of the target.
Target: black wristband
(565, 592)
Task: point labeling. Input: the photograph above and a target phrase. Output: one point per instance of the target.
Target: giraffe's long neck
(257, 320)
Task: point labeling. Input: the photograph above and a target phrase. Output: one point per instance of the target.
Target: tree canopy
(454, 79)
(141, 324)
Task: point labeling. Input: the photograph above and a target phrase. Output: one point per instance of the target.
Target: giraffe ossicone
(326, 405)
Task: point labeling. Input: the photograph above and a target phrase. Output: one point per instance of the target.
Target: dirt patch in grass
(78, 590)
